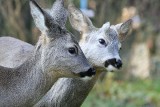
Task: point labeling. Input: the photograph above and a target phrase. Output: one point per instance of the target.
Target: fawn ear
(78, 20)
(105, 26)
(43, 20)
(123, 29)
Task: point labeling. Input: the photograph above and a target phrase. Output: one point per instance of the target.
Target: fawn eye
(102, 41)
(72, 50)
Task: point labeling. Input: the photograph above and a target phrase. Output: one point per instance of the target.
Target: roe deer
(56, 55)
(72, 92)
(101, 47)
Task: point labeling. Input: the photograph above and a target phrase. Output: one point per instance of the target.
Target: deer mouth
(111, 68)
(113, 64)
(88, 73)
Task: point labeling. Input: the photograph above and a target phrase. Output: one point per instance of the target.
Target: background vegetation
(137, 84)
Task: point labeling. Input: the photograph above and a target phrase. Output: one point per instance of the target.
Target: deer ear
(43, 20)
(123, 29)
(105, 26)
(37, 14)
(59, 12)
(78, 20)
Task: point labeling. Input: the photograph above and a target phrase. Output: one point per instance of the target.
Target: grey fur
(13, 50)
(72, 92)
(25, 84)
(59, 12)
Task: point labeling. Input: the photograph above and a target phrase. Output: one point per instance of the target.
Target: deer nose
(114, 62)
(89, 72)
(119, 64)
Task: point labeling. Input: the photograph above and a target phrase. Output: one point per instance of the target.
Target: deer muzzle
(117, 63)
(90, 72)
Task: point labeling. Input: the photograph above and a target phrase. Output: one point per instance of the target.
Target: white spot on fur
(111, 68)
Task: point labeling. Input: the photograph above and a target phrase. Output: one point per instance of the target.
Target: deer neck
(68, 92)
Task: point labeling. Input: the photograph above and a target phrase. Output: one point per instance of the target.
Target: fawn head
(58, 49)
(100, 45)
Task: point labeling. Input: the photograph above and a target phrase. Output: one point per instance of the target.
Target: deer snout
(117, 63)
(90, 72)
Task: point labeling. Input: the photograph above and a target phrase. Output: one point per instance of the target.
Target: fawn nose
(114, 62)
(119, 64)
(89, 72)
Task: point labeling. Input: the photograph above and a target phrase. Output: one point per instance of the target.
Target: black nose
(119, 64)
(89, 72)
(114, 62)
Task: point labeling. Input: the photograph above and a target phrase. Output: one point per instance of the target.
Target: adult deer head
(59, 50)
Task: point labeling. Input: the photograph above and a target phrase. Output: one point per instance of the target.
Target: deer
(56, 54)
(101, 47)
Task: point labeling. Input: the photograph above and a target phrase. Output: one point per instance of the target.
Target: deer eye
(102, 41)
(72, 50)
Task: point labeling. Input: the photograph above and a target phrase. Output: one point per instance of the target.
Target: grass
(124, 93)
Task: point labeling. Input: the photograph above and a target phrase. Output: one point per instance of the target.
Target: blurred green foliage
(124, 93)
